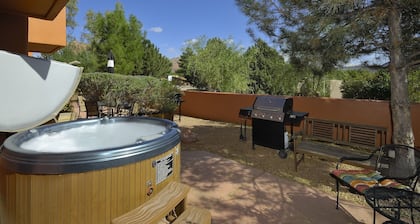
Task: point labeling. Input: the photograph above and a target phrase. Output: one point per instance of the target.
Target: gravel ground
(223, 139)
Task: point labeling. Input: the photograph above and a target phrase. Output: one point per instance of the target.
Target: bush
(375, 87)
(151, 94)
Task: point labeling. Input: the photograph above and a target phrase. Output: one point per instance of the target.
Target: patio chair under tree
(358, 181)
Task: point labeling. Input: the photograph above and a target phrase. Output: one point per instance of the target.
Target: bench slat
(334, 152)
(322, 129)
(331, 139)
(363, 136)
(155, 209)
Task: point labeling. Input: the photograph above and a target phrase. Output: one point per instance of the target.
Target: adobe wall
(47, 36)
(225, 107)
(32, 35)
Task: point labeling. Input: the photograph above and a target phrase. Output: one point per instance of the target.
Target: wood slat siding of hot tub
(91, 197)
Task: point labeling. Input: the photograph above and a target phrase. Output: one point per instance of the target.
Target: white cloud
(156, 29)
(191, 41)
(230, 41)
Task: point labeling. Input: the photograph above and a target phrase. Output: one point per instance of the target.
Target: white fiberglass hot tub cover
(33, 90)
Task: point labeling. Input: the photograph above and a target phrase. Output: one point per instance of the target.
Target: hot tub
(87, 171)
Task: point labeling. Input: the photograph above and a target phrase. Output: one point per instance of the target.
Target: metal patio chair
(359, 181)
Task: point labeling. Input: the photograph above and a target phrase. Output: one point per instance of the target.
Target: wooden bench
(332, 140)
(171, 198)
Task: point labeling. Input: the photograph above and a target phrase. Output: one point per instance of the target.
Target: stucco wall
(25, 34)
(225, 107)
(47, 36)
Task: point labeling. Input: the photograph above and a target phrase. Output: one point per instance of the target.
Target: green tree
(363, 84)
(183, 63)
(88, 60)
(219, 66)
(112, 32)
(189, 70)
(268, 72)
(374, 86)
(155, 64)
(187, 67)
(317, 51)
(71, 12)
(312, 85)
(334, 31)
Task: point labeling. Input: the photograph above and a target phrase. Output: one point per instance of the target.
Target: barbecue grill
(269, 115)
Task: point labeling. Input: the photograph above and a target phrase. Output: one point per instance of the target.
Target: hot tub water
(93, 137)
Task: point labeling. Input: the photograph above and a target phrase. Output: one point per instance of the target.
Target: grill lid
(273, 108)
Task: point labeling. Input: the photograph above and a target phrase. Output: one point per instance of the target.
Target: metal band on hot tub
(54, 163)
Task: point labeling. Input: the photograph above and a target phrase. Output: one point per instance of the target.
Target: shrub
(150, 93)
(374, 87)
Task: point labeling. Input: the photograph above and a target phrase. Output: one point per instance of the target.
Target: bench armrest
(359, 158)
(344, 158)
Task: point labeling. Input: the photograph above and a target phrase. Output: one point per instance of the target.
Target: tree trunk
(400, 106)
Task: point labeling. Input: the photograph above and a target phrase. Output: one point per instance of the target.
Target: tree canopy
(155, 64)
(113, 32)
(323, 34)
(268, 71)
(71, 11)
(367, 85)
(215, 65)
(219, 65)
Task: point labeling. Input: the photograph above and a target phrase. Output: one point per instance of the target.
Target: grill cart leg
(242, 135)
(245, 130)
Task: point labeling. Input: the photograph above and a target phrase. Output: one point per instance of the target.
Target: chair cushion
(361, 180)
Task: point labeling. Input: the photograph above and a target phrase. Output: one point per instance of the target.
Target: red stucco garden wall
(225, 107)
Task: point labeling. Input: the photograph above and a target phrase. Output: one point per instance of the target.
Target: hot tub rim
(76, 162)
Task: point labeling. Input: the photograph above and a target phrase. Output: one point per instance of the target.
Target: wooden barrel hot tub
(87, 171)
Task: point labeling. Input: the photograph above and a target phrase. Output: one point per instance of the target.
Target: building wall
(47, 36)
(335, 88)
(225, 107)
(31, 34)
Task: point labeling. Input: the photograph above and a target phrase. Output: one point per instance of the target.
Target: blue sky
(170, 23)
